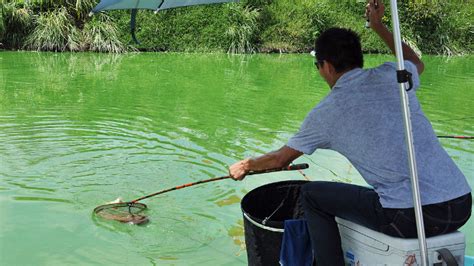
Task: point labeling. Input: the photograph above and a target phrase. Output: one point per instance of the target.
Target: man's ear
(330, 68)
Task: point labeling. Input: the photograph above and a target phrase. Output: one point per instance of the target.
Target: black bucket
(265, 210)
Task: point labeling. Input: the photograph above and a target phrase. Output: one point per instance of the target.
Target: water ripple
(42, 199)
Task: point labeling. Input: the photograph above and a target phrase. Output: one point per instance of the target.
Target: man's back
(364, 123)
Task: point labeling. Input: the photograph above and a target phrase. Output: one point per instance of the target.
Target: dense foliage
(57, 25)
(434, 27)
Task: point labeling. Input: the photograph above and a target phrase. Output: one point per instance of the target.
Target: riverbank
(436, 27)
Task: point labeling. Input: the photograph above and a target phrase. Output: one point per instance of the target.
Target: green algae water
(78, 130)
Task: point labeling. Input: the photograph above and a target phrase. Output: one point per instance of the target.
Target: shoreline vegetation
(286, 26)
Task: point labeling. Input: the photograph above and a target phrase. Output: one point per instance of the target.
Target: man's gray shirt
(361, 118)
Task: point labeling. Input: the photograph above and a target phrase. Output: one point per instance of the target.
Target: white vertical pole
(409, 137)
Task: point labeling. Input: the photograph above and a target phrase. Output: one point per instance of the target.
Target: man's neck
(336, 77)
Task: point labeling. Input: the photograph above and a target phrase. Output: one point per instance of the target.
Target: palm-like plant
(54, 31)
(2, 29)
(78, 9)
(58, 25)
(16, 23)
(101, 35)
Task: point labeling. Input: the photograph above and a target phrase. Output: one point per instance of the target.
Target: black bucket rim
(270, 225)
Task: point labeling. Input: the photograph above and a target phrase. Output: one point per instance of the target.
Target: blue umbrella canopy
(155, 5)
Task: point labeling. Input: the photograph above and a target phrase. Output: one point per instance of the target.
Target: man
(361, 119)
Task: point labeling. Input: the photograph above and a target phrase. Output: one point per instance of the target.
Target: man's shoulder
(387, 72)
(393, 65)
(381, 74)
(386, 66)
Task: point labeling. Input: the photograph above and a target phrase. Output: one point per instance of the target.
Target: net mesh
(125, 212)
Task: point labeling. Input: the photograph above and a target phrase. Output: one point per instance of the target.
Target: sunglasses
(318, 63)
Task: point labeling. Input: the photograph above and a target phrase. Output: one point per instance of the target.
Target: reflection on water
(78, 130)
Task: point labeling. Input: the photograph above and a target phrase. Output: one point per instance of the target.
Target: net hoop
(133, 216)
(138, 205)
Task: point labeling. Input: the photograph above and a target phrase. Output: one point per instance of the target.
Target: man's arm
(375, 16)
(275, 159)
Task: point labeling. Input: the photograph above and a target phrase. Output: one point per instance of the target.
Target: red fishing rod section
(288, 168)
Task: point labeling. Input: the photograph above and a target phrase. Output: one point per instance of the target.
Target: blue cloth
(296, 245)
(361, 119)
(468, 261)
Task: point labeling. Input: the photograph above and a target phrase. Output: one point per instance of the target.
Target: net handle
(287, 168)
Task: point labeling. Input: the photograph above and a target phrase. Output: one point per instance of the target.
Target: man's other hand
(374, 12)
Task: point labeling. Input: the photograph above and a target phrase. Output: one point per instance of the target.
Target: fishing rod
(288, 168)
(129, 212)
(455, 137)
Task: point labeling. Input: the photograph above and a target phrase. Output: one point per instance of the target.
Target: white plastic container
(362, 246)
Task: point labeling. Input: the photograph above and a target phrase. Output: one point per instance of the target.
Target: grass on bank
(242, 29)
(54, 31)
(102, 35)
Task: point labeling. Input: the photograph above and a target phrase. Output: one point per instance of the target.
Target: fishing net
(125, 212)
(130, 212)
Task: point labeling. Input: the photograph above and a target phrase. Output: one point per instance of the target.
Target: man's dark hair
(340, 47)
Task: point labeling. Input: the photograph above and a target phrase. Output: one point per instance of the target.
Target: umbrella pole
(409, 137)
